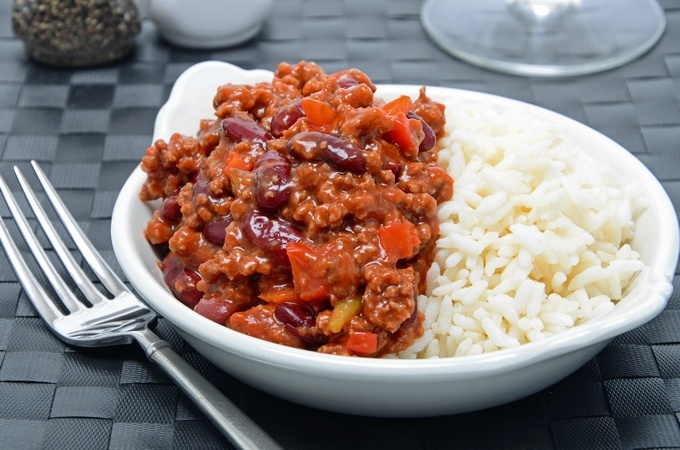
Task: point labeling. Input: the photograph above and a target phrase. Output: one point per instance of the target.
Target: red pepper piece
(236, 161)
(402, 104)
(310, 283)
(398, 241)
(280, 294)
(362, 343)
(407, 134)
(318, 113)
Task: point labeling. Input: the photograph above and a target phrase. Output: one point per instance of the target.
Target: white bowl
(208, 23)
(390, 387)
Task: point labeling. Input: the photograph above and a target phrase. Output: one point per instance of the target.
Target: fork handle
(238, 428)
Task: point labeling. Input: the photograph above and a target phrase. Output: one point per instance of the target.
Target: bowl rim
(657, 290)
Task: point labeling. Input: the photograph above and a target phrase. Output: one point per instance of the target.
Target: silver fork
(108, 321)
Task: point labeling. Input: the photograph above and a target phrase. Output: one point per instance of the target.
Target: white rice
(534, 242)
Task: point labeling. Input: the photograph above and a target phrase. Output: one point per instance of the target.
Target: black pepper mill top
(76, 33)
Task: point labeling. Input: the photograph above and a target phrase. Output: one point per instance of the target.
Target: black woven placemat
(89, 128)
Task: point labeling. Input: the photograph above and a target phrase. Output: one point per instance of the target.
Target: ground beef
(304, 212)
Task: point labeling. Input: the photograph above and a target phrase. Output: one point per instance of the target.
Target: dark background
(89, 128)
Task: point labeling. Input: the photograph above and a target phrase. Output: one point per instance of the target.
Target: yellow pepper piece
(343, 312)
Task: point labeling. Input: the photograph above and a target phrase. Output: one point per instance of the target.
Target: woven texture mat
(89, 129)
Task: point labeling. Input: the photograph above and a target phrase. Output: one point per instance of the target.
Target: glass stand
(544, 38)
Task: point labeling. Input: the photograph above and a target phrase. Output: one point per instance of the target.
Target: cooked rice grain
(533, 242)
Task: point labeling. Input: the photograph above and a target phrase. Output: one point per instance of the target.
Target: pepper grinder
(76, 33)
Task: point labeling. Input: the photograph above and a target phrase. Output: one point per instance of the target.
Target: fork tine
(105, 274)
(35, 292)
(76, 272)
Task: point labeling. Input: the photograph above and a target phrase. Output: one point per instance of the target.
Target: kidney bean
(181, 280)
(286, 117)
(218, 309)
(299, 320)
(341, 153)
(272, 181)
(430, 139)
(272, 234)
(239, 129)
(414, 315)
(215, 231)
(308, 338)
(202, 185)
(170, 209)
(295, 315)
(346, 81)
